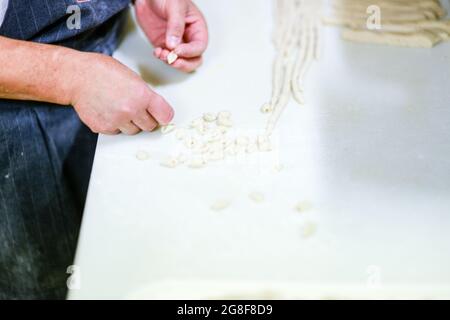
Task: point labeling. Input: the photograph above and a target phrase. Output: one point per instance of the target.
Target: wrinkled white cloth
(3, 6)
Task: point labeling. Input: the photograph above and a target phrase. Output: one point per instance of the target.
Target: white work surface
(370, 152)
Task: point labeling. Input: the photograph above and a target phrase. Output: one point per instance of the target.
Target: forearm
(107, 96)
(39, 72)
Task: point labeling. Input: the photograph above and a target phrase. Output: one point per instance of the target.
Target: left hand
(176, 25)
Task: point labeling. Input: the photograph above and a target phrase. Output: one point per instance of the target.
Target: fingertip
(170, 115)
(166, 116)
(191, 50)
(160, 110)
(172, 41)
(153, 126)
(164, 54)
(176, 21)
(157, 52)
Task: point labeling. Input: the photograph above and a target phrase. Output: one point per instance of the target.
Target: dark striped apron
(46, 153)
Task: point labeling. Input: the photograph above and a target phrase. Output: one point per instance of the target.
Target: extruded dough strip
(302, 70)
(317, 44)
(386, 16)
(283, 90)
(310, 54)
(297, 52)
(279, 68)
(386, 5)
(407, 23)
(443, 26)
(420, 39)
(284, 98)
(360, 8)
(297, 91)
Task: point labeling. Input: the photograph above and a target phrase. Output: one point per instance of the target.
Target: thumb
(176, 14)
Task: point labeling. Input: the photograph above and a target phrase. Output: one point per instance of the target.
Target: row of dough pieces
(392, 10)
(408, 23)
(206, 140)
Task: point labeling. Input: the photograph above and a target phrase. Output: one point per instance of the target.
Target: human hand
(174, 25)
(110, 98)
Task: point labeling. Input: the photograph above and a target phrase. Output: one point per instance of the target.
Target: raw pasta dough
(406, 23)
(296, 41)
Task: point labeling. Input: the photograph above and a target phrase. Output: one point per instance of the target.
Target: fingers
(188, 65)
(176, 13)
(192, 49)
(154, 110)
(195, 36)
(163, 54)
(157, 52)
(111, 132)
(182, 64)
(186, 34)
(145, 121)
(129, 129)
(196, 39)
(160, 110)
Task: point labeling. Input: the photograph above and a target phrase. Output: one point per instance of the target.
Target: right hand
(110, 98)
(174, 25)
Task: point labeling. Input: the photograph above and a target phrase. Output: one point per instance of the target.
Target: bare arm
(31, 71)
(107, 95)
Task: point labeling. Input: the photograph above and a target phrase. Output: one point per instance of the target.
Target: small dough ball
(266, 108)
(303, 206)
(224, 122)
(170, 162)
(224, 115)
(197, 163)
(220, 205)
(142, 155)
(257, 197)
(308, 229)
(172, 57)
(209, 117)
